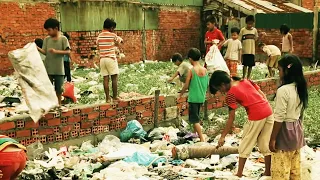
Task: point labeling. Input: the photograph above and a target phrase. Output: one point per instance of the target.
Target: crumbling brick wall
(96, 119)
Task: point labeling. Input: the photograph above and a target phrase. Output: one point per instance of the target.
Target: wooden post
(206, 110)
(144, 36)
(315, 32)
(156, 109)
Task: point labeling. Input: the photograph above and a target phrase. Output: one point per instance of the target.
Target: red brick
(67, 114)
(93, 116)
(105, 107)
(54, 122)
(31, 124)
(66, 128)
(147, 114)
(74, 119)
(146, 100)
(23, 133)
(140, 108)
(85, 125)
(122, 104)
(111, 113)
(87, 110)
(46, 131)
(7, 125)
(182, 100)
(105, 121)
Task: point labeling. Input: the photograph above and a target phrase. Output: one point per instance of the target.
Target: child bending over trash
(258, 128)
(274, 55)
(13, 158)
(183, 68)
(107, 41)
(197, 82)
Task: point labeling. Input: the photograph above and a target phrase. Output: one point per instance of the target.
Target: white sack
(215, 61)
(36, 87)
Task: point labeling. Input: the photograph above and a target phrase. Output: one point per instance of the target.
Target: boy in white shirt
(183, 68)
(233, 53)
(274, 55)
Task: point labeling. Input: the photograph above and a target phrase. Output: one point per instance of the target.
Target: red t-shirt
(212, 35)
(246, 93)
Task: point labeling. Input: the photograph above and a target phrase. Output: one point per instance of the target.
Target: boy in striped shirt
(107, 41)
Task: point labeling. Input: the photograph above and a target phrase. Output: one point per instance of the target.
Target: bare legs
(245, 70)
(114, 79)
(197, 129)
(242, 162)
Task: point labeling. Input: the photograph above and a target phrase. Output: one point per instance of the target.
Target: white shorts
(109, 66)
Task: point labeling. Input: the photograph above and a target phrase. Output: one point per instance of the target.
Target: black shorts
(194, 112)
(248, 60)
(57, 81)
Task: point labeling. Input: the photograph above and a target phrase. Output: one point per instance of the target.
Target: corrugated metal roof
(302, 9)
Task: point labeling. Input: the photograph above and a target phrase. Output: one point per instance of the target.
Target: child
(274, 54)
(108, 61)
(213, 33)
(13, 158)
(197, 82)
(248, 36)
(67, 59)
(39, 43)
(55, 46)
(258, 128)
(183, 68)
(287, 136)
(287, 41)
(233, 54)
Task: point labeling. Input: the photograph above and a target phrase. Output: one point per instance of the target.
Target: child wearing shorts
(274, 54)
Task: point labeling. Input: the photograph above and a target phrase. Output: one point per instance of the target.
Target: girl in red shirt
(258, 128)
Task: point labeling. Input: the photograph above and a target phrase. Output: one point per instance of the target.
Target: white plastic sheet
(36, 87)
(215, 61)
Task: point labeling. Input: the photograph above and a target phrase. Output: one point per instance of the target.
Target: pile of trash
(163, 153)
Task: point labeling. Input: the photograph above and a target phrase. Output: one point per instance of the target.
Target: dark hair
(235, 30)
(194, 54)
(211, 19)
(293, 73)
(177, 57)
(109, 23)
(249, 18)
(51, 23)
(261, 44)
(284, 29)
(39, 42)
(66, 35)
(217, 78)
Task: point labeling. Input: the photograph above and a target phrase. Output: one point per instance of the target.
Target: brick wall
(21, 23)
(309, 4)
(96, 119)
(302, 40)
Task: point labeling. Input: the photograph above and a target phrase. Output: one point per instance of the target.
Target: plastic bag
(33, 79)
(69, 91)
(145, 159)
(133, 129)
(215, 61)
(34, 150)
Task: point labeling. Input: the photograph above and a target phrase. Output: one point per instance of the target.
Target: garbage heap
(163, 153)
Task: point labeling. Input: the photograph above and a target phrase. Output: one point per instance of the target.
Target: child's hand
(53, 51)
(1, 174)
(272, 145)
(221, 142)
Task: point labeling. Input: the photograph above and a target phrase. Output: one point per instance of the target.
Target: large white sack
(36, 87)
(215, 61)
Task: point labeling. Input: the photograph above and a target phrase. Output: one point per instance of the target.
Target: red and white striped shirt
(106, 44)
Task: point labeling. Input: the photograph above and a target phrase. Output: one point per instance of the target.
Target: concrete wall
(99, 119)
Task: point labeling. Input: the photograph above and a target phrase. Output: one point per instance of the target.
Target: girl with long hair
(287, 136)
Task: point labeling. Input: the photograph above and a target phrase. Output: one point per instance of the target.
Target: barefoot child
(233, 54)
(197, 83)
(183, 68)
(287, 136)
(258, 128)
(274, 54)
(106, 41)
(287, 40)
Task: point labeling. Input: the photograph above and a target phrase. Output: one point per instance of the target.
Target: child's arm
(174, 76)
(240, 52)
(62, 52)
(291, 43)
(186, 85)
(227, 129)
(41, 50)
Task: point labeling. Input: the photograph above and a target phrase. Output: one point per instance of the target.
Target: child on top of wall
(107, 41)
(13, 158)
(55, 46)
(67, 61)
(197, 82)
(287, 136)
(274, 54)
(233, 54)
(248, 36)
(183, 68)
(258, 128)
(39, 43)
(287, 40)
(212, 34)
